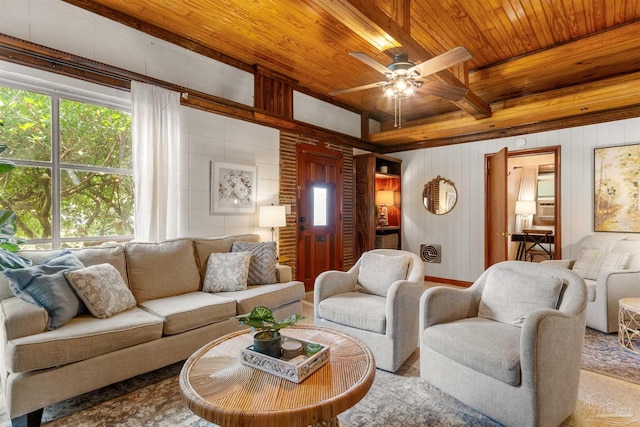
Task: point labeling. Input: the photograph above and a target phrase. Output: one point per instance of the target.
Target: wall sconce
(384, 198)
(526, 208)
(273, 216)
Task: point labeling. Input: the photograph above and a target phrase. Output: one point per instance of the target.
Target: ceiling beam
(362, 15)
(589, 99)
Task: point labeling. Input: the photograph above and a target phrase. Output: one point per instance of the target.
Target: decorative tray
(295, 370)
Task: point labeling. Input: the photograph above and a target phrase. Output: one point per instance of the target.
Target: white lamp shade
(384, 197)
(273, 216)
(526, 207)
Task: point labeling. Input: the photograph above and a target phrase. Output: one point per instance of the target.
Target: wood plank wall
(288, 196)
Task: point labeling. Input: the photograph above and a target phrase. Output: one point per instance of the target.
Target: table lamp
(526, 208)
(272, 216)
(384, 198)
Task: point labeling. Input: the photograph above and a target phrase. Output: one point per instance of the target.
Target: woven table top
(218, 388)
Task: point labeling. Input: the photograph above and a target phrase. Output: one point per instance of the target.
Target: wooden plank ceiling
(536, 65)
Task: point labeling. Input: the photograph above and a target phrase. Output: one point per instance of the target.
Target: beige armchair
(375, 301)
(509, 346)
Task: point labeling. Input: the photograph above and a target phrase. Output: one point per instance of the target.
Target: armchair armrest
(442, 304)
(403, 299)
(566, 263)
(283, 273)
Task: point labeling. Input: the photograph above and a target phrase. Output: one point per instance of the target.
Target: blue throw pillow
(46, 286)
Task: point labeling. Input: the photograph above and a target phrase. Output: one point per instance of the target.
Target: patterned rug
(603, 354)
(400, 399)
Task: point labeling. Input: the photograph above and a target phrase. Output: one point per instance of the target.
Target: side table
(629, 324)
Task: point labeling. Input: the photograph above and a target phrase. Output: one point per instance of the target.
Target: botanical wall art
(617, 189)
(233, 188)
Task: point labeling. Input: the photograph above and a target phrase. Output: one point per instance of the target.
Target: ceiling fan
(402, 77)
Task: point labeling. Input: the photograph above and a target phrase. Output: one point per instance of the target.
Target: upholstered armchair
(610, 266)
(509, 346)
(375, 301)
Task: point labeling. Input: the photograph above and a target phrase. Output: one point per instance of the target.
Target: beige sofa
(172, 319)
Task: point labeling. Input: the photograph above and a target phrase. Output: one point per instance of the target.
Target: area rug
(401, 399)
(603, 354)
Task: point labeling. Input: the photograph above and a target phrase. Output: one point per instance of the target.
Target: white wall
(461, 232)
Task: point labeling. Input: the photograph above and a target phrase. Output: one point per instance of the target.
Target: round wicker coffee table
(629, 324)
(217, 387)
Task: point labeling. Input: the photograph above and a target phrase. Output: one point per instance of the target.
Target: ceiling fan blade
(354, 89)
(453, 93)
(441, 62)
(370, 62)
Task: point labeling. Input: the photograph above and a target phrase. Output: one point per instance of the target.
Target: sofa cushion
(271, 296)
(46, 286)
(83, 337)
(205, 247)
(590, 262)
(591, 290)
(489, 347)
(102, 289)
(264, 257)
(193, 310)
(357, 310)
(159, 270)
(378, 272)
(227, 272)
(509, 296)
(113, 255)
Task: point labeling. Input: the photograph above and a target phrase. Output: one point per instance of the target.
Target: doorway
(523, 196)
(319, 235)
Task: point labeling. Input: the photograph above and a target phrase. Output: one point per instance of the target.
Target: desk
(536, 238)
(219, 388)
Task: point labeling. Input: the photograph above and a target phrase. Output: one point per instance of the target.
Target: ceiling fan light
(409, 91)
(400, 84)
(388, 90)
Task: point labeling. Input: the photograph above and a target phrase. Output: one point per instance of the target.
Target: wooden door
(496, 198)
(319, 212)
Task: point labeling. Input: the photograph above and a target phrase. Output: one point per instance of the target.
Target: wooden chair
(541, 244)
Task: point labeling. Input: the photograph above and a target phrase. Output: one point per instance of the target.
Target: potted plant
(267, 340)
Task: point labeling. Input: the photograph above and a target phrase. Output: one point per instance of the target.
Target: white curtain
(156, 162)
(527, 192)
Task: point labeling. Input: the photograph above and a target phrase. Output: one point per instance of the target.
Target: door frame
(556, 151)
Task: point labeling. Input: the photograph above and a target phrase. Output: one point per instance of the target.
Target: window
(73, 186)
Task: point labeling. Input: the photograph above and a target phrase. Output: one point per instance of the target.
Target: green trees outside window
(73, 183)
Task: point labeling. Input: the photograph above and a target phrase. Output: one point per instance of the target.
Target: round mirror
(439, 195)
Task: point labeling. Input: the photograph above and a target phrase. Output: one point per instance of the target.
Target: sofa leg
(32, 419)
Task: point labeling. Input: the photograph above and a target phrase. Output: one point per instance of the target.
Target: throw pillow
(264, 256)
(378, 272)
(591, 261)
(227, 272)
(509, 296)
(102, 289)
(46, 286)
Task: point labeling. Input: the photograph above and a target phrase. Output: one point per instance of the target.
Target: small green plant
(261, 319)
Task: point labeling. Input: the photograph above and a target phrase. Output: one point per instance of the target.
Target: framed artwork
(233, 188)
(617, 189)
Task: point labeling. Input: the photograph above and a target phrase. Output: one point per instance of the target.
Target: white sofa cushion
(190, 311)
(227, 272)
(378, 272)
(486, 346)
(357, 310)
(102, 289)
(592, 261)
(509, 296)
(272, 296)
(83, 337)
